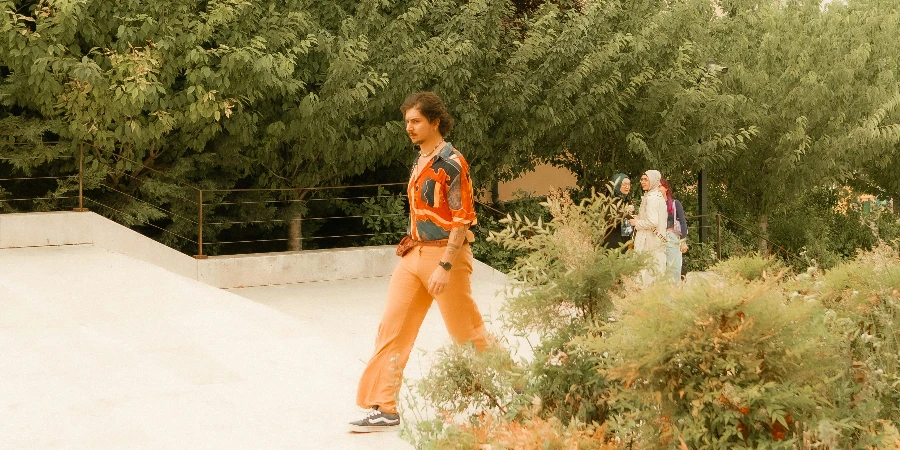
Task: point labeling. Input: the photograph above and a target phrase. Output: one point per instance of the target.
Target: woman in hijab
(650, 227)
(623, 231)
(676, 230)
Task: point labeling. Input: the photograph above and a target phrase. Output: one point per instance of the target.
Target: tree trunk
(295, 228)
(295, 233)
(764, 225)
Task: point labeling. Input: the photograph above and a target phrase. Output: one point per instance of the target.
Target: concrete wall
(264, 269)
(539, 182)
(88, 228)
(45, 229)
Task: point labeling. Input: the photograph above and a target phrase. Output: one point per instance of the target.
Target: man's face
(418, 128)
(645, 183)
(625, 187)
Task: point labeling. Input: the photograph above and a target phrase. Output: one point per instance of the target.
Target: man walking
(436, 262)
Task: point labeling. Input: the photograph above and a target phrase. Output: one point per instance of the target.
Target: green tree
(293, 95)
(173, 87)
(821, 87)
(615, 86)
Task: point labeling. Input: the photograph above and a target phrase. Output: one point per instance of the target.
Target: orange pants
(408, 301)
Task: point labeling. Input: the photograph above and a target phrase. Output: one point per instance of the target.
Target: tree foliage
(821, 87)
(301, 94)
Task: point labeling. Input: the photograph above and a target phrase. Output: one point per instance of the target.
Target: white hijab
(653, 176)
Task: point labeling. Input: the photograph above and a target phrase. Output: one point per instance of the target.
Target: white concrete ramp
(103, 351)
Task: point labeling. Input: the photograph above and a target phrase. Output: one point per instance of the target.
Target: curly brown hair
(431, 106)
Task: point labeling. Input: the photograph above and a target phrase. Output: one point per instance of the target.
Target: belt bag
(407, 243)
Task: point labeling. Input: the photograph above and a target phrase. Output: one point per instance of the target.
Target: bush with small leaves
(749, 268)
(721, 363)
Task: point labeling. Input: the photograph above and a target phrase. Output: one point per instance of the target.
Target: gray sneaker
(376, 420)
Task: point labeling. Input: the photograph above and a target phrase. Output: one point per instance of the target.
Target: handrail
(305, 218)
(492, 209)
(149, 224)
(147, 203)
(8, 200)
(263, 202)
(761, 237)
(719, 216)
(37, 178)
(314, 188)
(200, 204)
(226, 201)
(200, 222)
(399, 233)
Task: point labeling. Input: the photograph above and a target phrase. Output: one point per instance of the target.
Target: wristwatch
(445, 265)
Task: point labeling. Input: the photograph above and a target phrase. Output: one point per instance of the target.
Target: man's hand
(438, 280)
(633, 222)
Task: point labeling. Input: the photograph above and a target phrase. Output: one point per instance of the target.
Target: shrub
(563, 282)
(494, 253)
(749, 268)
(466, 382)
(748, 356)
(720, 364)
(491, 432)
(863, 297)
(564, 381)
(565, 276)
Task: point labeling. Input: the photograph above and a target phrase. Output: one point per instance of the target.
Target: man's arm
(441, 275)
(455, 243)
(459, 195)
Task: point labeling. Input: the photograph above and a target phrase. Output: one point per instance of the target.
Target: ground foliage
(489, 251)
(747, 355)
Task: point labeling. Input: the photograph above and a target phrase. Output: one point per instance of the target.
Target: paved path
(101, 351)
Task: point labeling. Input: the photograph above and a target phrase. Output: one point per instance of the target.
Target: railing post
(80, 207)
(701, 205)
(200, 254)
(718, 235)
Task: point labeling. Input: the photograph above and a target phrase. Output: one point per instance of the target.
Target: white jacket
(652, 215)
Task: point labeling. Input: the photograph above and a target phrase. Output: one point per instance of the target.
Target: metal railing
(210, 222)
(207, 200)
(304, 202)
(770, 244)
(31, 184)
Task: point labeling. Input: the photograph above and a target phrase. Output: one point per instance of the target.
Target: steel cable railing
(6, 184)
(147, 223)
(222, 216)
(330, 208)
(220, 212)
(719, 217)
(248, 222)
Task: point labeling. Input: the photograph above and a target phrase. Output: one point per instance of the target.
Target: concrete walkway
(102, 351)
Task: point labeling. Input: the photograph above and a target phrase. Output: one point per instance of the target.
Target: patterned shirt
(441, 197)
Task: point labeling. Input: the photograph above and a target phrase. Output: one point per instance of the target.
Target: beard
(416, 140)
